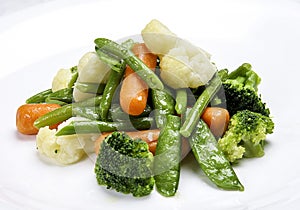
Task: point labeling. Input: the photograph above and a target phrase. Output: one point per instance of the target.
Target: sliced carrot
(217, 120)
(134, 91)
(28, 113)
(149, 136)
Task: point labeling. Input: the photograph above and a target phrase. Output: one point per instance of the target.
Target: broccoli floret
(241, 91)
(245, 135)
(125, 164)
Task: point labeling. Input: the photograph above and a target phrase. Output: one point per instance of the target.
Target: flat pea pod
(164, 104)
(64, 95)
(167, 157)
(39, 97)
(95, 126)
(63, 113)
(212, 160)
(113, 82)
(88, 87)
(133, 61)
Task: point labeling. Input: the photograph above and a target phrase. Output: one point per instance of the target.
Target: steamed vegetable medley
(142, 107)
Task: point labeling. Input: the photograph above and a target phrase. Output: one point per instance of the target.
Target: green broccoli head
(245, 135)
(239, 97)
(240, 91)
(125, 164)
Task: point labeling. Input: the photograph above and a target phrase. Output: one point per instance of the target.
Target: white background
(38, 39)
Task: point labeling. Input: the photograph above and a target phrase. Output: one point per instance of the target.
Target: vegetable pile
(142, 107)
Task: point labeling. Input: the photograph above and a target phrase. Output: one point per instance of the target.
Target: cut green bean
(63, 113)
(167, 157)
(198, 108)
(181, 101)
(111, 60)
(116, 113)
(39, 97)
(52, 101)
(212, 160)
(113, 82)
(81, 127)
(74, 72)
(88, 87)
(91, 113)
(64, 95)
(134, 62)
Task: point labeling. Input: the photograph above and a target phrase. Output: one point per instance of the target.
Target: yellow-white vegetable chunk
(182, 64)
(64, 149)
(90, 70)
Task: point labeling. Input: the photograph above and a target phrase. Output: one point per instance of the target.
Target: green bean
(88, 87)
(181, 101)
(212, 160)
(74, 77)
(167, 157)
(81, 127)
(64, 95)
(201, 103)
(134, 62)
(111, 60)
(116, 113)
(52, 101)
(63, 113)
(109, 91)
(91, 113)
(39, 97)
(164, 104)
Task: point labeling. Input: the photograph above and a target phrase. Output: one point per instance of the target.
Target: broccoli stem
(201, 103)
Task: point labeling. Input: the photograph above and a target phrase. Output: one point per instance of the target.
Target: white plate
(39, 41)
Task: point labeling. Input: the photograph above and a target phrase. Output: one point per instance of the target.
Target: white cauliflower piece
(182, 64)
(64, 149)
(90, 69)
(64, 78)
(186, 67)
(158, 38)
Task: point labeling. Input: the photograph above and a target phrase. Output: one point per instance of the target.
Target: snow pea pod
(164, 104)
(167, 157)
(212, 160)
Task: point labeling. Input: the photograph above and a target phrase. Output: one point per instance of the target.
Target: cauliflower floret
(64, 149)
(64, 78)
(186, 67)
(158, 38)
(90, 69)
(182, 64)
